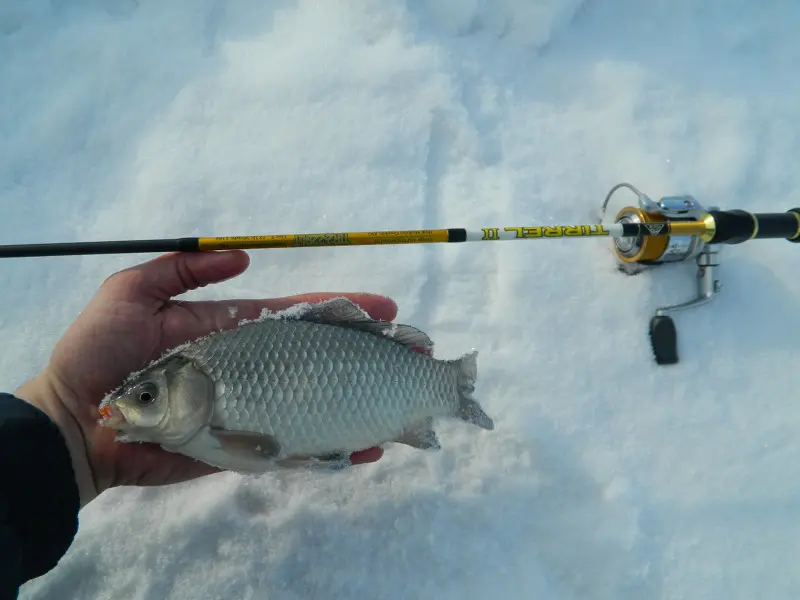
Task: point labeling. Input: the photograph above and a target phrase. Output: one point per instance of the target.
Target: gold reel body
(655, 249)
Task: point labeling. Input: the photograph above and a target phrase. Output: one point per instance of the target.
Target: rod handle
(737, 226)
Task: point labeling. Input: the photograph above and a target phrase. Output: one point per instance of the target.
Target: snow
(606, 476)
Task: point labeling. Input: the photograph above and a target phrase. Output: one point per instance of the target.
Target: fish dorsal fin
(339, 311)
(345, 313)
(411, 337)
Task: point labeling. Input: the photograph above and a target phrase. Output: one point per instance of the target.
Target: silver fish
(303, 388)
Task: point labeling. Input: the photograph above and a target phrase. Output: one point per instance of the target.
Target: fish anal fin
(420, 436)
(335, 461)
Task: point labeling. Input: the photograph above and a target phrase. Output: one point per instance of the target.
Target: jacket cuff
(41, 495)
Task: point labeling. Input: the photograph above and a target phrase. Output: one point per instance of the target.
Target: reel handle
(737, 226)
(664, 340)
(663, 333)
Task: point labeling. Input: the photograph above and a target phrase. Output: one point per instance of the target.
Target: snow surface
(606, 477)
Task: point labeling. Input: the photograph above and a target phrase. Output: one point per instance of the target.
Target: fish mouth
(111, 416)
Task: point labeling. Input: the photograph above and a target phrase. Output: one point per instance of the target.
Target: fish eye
(146, 394)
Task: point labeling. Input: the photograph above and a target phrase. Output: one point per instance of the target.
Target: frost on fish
(306, 385)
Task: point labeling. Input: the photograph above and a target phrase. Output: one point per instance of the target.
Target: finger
(188, 321)
(369, 455)
(147, 464)
(156, 281)
(222, 311)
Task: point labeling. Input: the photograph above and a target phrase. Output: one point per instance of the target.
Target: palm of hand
(131, 321)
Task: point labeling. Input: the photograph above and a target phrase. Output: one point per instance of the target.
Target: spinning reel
(679, 228)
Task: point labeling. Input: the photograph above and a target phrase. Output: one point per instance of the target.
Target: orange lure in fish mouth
(111, 417)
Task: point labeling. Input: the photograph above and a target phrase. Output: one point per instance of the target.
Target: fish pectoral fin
(336, 461)
(421, 436)
(246, 443)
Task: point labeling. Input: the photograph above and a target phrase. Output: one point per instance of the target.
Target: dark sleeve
(39, 499)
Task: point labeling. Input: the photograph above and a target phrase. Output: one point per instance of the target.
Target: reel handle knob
(664, 339)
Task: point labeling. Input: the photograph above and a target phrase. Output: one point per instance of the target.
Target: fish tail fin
(468, 408)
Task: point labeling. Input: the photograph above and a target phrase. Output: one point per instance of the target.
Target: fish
(300, 388)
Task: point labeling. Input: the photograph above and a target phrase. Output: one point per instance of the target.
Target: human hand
(131, 321)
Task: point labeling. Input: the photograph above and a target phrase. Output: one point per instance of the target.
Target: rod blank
(113, 247)
(718, 227)
(312, 240)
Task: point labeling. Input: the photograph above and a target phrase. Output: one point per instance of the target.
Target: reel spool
(636, 254)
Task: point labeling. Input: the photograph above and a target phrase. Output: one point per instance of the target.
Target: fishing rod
(672, 229)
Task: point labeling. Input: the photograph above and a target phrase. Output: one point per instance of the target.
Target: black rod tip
(664, 339)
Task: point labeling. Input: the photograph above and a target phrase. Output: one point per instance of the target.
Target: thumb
(158, 280)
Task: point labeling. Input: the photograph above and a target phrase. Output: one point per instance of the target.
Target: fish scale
(306, 383)
(326, 381)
